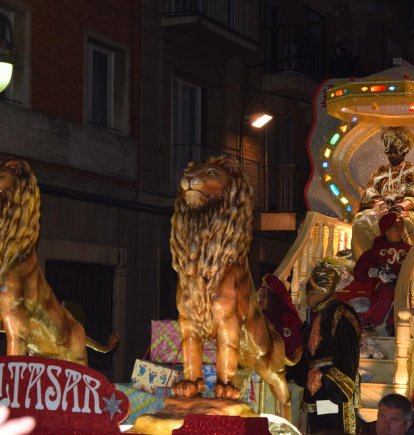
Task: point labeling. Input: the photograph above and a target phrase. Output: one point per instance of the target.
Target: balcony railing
(241, 17)
(276, 189)
(301, 48)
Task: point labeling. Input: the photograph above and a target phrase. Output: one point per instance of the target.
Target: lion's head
(19, 212)
(211, 228)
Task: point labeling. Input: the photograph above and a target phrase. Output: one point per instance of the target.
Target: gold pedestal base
(176, 408)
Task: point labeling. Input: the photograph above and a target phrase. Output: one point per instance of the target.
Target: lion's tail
(296, 357)
(113, 340)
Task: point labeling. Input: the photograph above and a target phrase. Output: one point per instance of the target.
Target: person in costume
(278, 308)
(380, 265)
(328, 369)
(390, 188)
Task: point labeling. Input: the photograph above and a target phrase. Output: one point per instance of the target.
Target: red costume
(380, 266)
(282, 314)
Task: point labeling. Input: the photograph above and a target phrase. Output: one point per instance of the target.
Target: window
(187, 112)
(107, 88)
(281, 167)
(6, 32)
(186, 134)
(280, 141)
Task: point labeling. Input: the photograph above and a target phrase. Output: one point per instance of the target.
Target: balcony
(306, 50)
(65, 154)
(299, 48)
(230, 24)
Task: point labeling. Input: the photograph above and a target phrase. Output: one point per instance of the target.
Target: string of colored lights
(328, 178)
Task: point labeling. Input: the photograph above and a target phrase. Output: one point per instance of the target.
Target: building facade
(110, 99)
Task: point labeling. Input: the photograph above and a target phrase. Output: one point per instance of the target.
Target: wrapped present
(150, 377)
(157, 379)
(245, 380)
(210, 376)
(140, 402)
(166, 341)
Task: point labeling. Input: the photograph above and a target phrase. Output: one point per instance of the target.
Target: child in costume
(380, 266)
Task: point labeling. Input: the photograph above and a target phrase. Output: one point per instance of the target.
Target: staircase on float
(377, 378)
(320, 236)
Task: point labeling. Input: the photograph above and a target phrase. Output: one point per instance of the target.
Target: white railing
(403, 305)
(319, 236)
(322, 236)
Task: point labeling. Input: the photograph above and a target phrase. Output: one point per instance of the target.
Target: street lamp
(7, 51)
(255, 120)
(259, 120)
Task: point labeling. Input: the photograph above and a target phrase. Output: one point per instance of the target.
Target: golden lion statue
(34, 321)
(210, 238)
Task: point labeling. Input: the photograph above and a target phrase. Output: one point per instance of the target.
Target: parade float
(209, 253)
(345, 148)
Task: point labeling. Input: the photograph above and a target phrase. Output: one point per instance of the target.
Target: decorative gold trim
(315, 336)
(342, 312)
(344, 382)
(357, 395)
(322, 362)
(314, 382)
(323, 304)
(348, 416)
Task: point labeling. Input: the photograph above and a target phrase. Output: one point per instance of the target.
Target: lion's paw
(187, 388)
(226, 390)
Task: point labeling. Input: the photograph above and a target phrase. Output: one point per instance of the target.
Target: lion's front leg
(16, 327)
(228, 337)
(193, 382)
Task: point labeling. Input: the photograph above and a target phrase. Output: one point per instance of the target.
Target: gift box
(151, 377)
(245, 380)
(166, 342)
(157, 379)
(140, 402)
(210, 376)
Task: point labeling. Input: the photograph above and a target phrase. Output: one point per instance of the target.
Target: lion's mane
(206, 242)
(19, 218)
